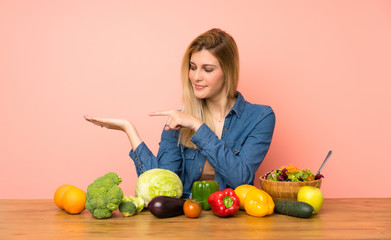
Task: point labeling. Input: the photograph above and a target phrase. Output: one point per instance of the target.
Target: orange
(241, 191)
(74, 200)
(58, 195)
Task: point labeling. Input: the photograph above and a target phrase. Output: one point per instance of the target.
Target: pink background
(324, 67)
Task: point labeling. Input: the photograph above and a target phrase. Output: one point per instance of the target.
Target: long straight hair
(221, 45)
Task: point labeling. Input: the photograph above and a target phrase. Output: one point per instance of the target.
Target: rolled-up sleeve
(203, 136)
(169, 154)
(143, 158)
(168, 157)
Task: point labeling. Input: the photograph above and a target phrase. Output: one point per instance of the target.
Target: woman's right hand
(116, 124)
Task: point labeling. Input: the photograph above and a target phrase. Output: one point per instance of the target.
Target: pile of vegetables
(161, 190)
(291, 173)
(105, 196)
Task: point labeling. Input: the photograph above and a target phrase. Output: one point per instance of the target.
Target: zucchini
(294, 208)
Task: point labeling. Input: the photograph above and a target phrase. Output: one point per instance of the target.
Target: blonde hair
(223, 47)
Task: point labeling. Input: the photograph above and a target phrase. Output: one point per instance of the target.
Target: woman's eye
(208, 70)
(192, 68)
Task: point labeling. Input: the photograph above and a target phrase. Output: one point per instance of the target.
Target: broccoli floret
(102, 213)
(138, 203)
(127, 208)
(104, 195)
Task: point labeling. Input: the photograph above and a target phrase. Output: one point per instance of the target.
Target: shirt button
(225, 129)
(235, 150)
(136, 158)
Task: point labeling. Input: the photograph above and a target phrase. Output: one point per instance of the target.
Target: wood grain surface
(339, 219)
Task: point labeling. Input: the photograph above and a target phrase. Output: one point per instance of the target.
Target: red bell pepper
(224, 203)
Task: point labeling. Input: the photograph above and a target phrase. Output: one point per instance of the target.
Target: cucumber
(294, 208)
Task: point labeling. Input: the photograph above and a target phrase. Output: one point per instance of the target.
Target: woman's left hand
(177, 120)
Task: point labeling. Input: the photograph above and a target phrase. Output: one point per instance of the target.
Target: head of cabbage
(158, 182)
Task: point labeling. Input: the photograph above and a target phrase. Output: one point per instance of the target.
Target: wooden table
(339, 219)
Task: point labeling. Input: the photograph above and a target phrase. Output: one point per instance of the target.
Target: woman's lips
(199, 87)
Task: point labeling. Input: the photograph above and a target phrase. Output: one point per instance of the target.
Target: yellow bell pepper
(258, 203)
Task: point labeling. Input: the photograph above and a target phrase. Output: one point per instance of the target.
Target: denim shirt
(246, 137)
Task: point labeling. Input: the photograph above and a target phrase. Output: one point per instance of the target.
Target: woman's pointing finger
(160, 113)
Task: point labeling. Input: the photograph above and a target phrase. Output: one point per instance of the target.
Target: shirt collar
(238, 107)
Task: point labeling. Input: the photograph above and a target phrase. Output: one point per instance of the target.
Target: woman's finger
(174, 123)
(160, 113)
(95, 121)
(87, 118)
(90, 119)
(98, 123)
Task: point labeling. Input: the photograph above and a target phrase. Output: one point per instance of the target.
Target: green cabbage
(158, 182)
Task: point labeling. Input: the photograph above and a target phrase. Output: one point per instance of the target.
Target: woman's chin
(199, 95)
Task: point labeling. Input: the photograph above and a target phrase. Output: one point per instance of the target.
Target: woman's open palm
(116, 124)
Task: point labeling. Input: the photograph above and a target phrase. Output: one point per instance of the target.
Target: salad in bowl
(291, 173)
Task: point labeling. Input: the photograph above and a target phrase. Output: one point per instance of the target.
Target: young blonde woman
(218, 135)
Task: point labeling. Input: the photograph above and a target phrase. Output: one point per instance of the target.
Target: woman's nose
(198, 76)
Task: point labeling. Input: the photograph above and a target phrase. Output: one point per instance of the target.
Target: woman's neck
(219, 108)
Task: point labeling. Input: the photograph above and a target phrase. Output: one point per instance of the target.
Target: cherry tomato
(310, 178)
(192, 208)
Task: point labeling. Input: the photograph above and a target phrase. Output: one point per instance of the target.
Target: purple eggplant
(164, 207)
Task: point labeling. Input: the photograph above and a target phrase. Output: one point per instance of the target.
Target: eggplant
(164, 207)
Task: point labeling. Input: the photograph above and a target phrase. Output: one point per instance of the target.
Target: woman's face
(206, 76)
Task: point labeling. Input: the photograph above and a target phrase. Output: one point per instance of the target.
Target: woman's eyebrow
(208, 65)
(205, 65)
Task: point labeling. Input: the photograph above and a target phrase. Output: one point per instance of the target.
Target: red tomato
(192, 208)
(310, 178)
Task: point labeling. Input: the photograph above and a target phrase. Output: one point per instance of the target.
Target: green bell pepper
(201, 191)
